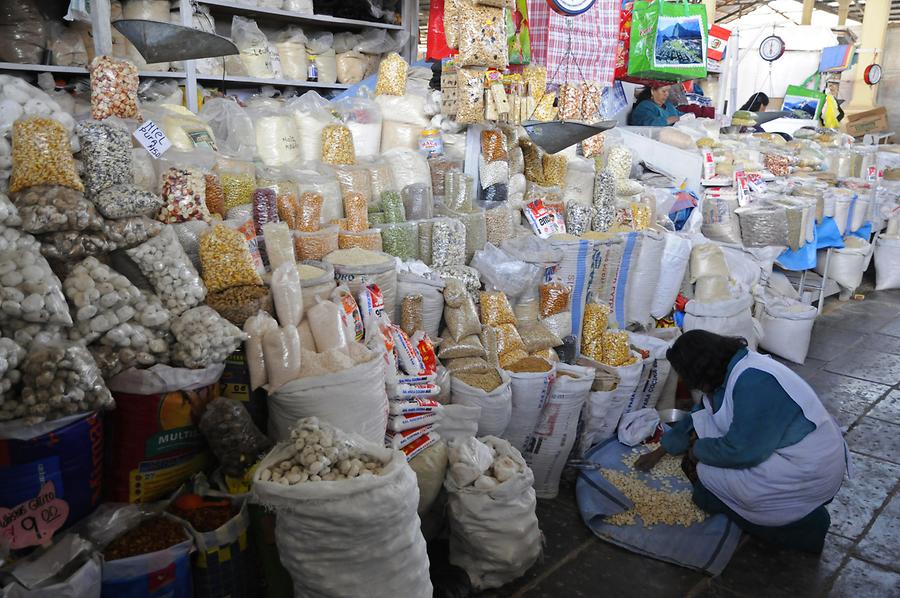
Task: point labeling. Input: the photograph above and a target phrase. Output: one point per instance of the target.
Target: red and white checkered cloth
(593, 47)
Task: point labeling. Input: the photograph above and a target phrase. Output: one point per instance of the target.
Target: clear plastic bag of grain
(412, 313)
(337, 145)
(595, 323)
(499, 223)
(554, 298)
(41, 155)
(570, 101)
(400, 239)
(310, 212)
(239, 303)
(356, 212)
(495, 309)
(318, 244)
(470, 96)
(482, 37)
(391, 76)
(356, 178)
(226, 260)
(367, 239)
(616, 348)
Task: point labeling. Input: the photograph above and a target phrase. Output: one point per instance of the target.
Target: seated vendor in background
(758, 102)
(760, 448)
(652, 108)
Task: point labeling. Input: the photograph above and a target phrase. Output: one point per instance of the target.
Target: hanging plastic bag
(437, 40)
(668, 41)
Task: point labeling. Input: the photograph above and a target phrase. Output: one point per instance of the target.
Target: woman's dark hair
(701, 358)
(644, 94)
(756, 101)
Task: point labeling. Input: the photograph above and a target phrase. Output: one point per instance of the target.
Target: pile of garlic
(11, 355)
(484, 464)
(101, 299)
(58, 379)
(318, 454)
(204, 338)
(29, 291)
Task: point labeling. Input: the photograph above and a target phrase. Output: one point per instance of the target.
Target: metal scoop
(165, 42)
(557, 135)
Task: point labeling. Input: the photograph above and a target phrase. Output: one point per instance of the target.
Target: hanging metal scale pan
(164, 42)
(555, 136)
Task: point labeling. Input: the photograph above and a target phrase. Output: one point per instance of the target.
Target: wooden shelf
(275, 14)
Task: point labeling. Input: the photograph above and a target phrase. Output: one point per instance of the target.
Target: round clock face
(570, 8)
(771, 48)
(873, 74)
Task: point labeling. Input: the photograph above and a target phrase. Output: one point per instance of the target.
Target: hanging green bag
(668, 41)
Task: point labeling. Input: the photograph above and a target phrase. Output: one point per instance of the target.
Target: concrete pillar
(843, 11)
(871, 41)
(808, 6)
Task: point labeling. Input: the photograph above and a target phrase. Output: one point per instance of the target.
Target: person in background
(758, 102)
(760, 448)
(652, 108)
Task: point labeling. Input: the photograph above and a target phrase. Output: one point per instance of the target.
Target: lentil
(316, 245)
(487, 380)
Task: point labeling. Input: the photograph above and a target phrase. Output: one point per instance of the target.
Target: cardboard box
(870, 121)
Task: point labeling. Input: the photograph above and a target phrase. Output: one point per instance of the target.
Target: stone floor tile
(884, 343)
(881, 544)
(845, 398)
(607, 570)
(862, 495)
(859, 579)
(867, 364)
(875, 438)
(888, 408)
(760, 569)
(859, 322)
(892, 329)
(829, 342)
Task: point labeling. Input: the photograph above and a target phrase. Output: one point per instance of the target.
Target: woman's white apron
(795, 479)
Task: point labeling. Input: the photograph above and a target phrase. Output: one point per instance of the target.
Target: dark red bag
(437, 42)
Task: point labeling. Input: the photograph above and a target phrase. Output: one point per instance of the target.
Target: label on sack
(34, 521)
(404, 391)
(407, 355)
(414, 406)
(398, 440)
(544, 221)
(153, 139)
(415, 448)
(408, 421)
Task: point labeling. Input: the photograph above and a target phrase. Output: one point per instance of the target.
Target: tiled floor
(854, 365)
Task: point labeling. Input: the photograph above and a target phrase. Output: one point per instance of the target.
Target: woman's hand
(672, 119)
(648, 461)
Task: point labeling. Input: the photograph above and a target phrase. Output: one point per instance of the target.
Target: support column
(710, 12)
(871, 41)
(843, 12)
(808, 6)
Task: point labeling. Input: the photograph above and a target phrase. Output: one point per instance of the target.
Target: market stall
(275, 324)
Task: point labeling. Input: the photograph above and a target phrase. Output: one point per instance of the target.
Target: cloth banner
(592, 52)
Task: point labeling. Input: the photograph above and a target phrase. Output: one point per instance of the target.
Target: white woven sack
(574, 271)
(787, 329)
(643, 280)
(727, 318)
(383, 274)
(496, 406)
(674, 263)
(887, 263)
(494, 534)
(353, 401)
(529, 392)
(548, 447)
(350, 538)
(604, 409)
(459, 421)
(847, 265)
(655, 372)
(432, 300)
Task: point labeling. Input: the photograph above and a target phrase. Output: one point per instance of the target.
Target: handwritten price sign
(152, 138)
(34, 521)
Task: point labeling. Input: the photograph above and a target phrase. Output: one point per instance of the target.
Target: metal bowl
(671, 416)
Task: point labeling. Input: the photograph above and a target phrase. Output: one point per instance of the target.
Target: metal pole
(824, 280)
(190, 68)
(101, 27)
